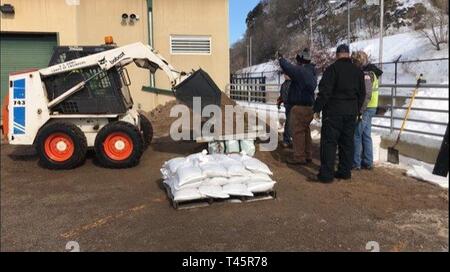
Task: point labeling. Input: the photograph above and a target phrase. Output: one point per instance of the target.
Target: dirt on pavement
(127, 210)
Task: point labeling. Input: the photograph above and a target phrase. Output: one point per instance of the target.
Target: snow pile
(268, 69)
(421, 173)
(201, 175)
(409, 46)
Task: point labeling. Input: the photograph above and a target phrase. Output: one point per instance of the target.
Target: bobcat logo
(102, 61)
(117, 58)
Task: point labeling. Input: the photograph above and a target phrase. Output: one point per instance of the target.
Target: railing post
(392, 110)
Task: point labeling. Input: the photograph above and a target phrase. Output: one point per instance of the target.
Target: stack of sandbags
(201, 175)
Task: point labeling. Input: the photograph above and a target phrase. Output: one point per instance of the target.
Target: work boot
(367, 167)
(342, 176)
(321, 179)
(285, 145)
(295, 162)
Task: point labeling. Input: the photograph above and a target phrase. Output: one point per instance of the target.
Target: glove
(359, 118)
(278, 55)
(279, 102)
(317, 116)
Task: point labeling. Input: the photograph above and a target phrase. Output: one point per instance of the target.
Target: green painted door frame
(20, 51)
(152, 88)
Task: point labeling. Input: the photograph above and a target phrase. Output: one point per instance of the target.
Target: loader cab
(107, 93)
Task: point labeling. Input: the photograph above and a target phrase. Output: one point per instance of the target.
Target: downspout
(150, 34)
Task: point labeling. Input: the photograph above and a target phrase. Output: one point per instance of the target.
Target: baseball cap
(305, 54)
(343, 48)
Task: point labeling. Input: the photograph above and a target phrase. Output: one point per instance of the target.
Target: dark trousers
(337, 133)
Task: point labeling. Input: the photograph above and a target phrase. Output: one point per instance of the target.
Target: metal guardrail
(249, 93)
(393, 97)
(390, 67)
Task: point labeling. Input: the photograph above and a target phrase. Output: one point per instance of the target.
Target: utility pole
(348, 22)
(311, 31)
(251, 57)
(248, 56)
(380, 53)
(348, 17)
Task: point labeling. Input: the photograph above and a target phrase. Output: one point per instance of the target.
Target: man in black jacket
(341, 96)
(301, 98)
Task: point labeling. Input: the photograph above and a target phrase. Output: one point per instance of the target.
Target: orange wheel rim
(118, 146)
(59, 147)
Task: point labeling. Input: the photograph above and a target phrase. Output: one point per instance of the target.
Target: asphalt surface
(127, 210)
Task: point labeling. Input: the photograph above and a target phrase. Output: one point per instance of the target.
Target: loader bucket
(199, 84)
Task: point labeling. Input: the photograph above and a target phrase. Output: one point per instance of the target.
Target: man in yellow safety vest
(363, 152)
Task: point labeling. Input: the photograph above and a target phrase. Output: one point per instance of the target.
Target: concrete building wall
(86, 22)
(51, 16)
(193, 17)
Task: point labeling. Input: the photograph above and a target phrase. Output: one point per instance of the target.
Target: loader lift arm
(144, 56)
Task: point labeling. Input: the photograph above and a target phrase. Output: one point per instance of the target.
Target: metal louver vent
(192, 45)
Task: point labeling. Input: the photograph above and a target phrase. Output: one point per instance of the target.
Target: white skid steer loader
(83, 101)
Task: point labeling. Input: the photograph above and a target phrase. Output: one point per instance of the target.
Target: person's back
(301, 98)
(303, 83)
(340, 89)
(341, 96)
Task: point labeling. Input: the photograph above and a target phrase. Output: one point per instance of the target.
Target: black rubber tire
(135, 136)
(71, 130)
(146, 130)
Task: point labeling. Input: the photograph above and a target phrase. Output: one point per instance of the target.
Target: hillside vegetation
(284, 25)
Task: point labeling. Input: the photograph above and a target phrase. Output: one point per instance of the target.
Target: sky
(238, 13)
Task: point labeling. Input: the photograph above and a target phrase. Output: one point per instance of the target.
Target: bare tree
(435, 27)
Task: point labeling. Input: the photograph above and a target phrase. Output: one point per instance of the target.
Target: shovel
(393, 154)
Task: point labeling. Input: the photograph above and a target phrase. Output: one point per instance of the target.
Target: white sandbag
(213, 169)
(255, 177)
(188, 174)
(248, 146)
(236, 157)
(169, 169)
(237, 189)
(198, 157)
(234, 168)
(214, 191)
(165, 173)
(216, 147)
(238, 179)
(232, 146)
(219, 157)
(186, 194)
(215, 181)
(260, 186)
(173, 164)
(195, 184)
(255, 165)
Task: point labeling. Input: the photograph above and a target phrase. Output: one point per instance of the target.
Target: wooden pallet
(205, 202)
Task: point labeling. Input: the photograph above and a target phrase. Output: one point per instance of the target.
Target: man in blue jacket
(301, 98)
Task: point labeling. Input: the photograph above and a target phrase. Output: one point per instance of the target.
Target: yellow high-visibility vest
(373, 103)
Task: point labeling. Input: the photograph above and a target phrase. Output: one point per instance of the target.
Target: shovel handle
(419, 81)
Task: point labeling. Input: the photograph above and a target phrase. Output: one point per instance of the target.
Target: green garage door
(23, 51)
